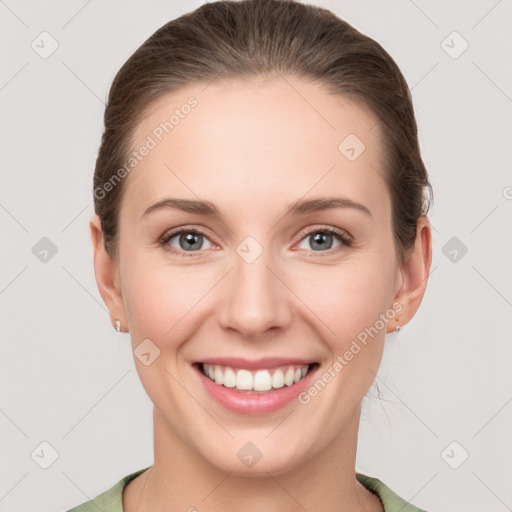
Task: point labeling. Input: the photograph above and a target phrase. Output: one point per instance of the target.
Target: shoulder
(110, 500)
(391, 501)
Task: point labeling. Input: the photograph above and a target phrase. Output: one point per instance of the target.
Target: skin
(252, 148)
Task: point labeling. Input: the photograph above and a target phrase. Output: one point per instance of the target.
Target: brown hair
(249, 38)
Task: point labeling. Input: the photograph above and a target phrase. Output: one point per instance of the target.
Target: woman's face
(255, 288)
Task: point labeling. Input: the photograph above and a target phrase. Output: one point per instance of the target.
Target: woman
(260, 227)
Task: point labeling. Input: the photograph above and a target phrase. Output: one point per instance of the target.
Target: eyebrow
(300, 207)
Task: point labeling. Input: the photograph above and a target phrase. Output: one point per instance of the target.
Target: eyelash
(345, 240)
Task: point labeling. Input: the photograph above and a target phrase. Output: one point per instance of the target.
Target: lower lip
(258, 403)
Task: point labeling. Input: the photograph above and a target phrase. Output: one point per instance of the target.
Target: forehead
(280, 138)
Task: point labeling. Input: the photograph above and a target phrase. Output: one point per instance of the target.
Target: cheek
(348, 299)
(161, 299)
(163, 304)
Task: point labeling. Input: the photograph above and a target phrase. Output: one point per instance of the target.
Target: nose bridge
(254, 300)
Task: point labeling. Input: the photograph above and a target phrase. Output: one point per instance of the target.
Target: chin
(255, 459)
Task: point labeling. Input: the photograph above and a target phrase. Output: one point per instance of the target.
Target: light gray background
(67, 378)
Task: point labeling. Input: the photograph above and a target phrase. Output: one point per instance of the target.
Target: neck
(180, 479)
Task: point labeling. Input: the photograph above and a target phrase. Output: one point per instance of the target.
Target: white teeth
(219, 376)
(278, 378)
(260, 380)
(244, 380)
(288, 377)
(229, 378)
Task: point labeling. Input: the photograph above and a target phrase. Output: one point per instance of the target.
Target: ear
(107, 275)
(413, 274)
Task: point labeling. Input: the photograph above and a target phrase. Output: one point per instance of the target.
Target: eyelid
(343, 236)
(346, 241)
(324, 228)
(164, 239)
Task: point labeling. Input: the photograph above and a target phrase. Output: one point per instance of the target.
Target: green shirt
(112, 500)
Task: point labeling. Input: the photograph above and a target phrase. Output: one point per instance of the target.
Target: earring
(118, 325)
(397, 329)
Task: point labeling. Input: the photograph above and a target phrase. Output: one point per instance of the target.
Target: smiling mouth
(256, 381)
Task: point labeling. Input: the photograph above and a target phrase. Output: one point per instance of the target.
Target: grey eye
(188, 241)
(320, 240)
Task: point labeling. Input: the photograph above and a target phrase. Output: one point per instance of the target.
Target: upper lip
(255, 364)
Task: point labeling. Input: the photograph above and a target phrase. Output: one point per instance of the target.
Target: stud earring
(118, 325)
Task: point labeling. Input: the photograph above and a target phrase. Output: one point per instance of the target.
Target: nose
(255, 299)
